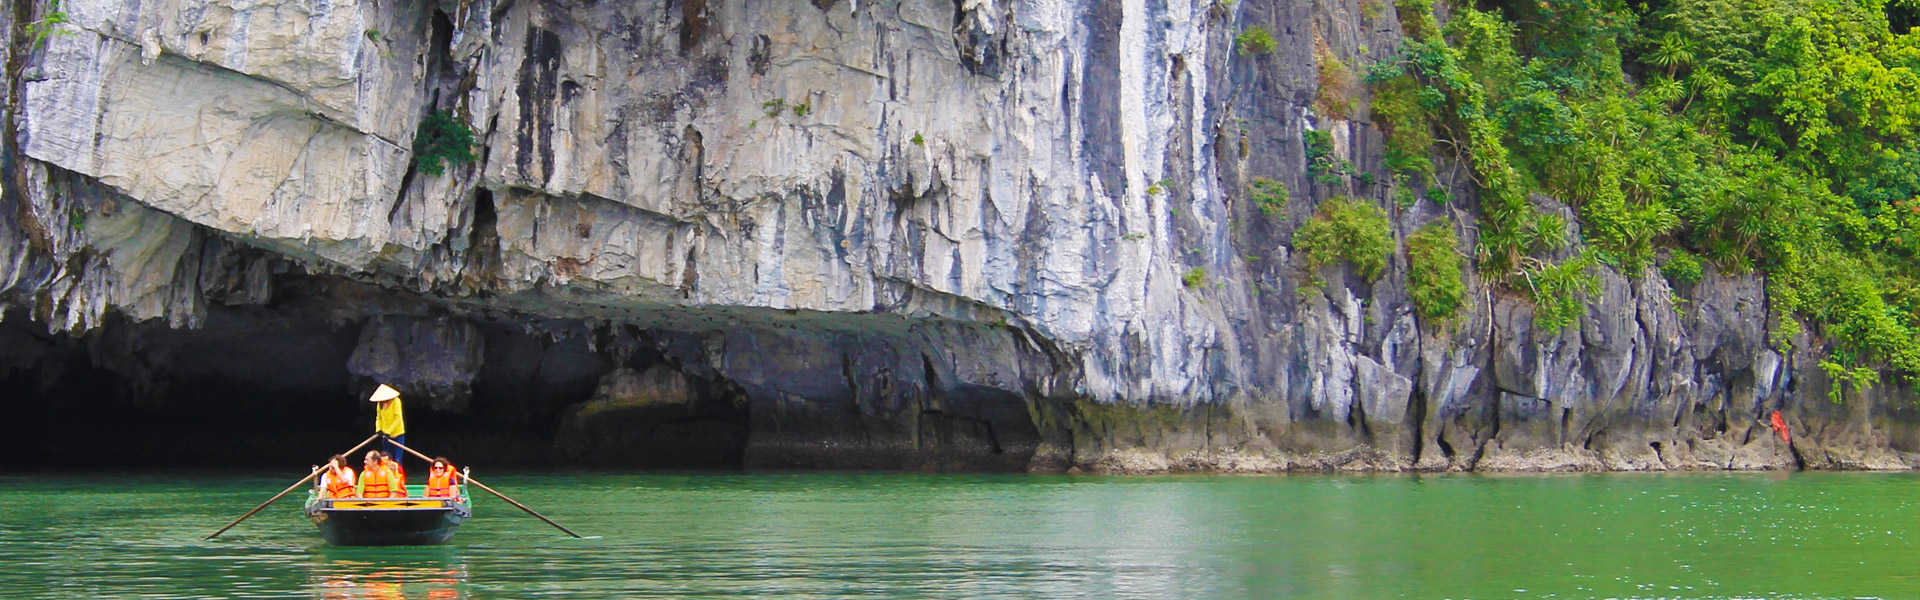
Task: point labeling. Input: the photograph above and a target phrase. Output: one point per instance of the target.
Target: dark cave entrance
(278, 377)
(269, 387)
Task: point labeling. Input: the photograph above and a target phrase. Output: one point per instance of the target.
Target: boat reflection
(367, 578)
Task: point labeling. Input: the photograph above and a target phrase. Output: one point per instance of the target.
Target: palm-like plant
(1673, 52)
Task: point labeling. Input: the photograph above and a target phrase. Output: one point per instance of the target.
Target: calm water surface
(1818, 535)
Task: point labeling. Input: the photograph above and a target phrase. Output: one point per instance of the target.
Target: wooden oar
(283, 493)
(489, 490)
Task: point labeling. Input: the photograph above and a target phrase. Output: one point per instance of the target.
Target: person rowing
(389, 423)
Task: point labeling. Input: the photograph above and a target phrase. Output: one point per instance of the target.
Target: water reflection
(373, 574)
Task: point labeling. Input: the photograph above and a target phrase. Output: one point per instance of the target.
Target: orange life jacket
(340, 482)
(396, 477)
(440, 485)
(377, 482)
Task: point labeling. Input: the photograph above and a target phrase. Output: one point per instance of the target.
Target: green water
(1815, 535)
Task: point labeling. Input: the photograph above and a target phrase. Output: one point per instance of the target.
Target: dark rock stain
(759, 54)
(694, 20)
(1100, 105)
(980, 50)
(538, 82)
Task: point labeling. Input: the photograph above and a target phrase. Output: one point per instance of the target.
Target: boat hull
(388, 522)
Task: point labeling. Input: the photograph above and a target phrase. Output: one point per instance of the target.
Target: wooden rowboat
(412, 521)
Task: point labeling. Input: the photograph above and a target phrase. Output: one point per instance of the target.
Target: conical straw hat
(384, 394)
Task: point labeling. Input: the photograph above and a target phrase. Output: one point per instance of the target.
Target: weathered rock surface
(1001, 234)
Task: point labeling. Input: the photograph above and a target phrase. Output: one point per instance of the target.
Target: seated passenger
(337, 479)
(397, 475)
(442, 479)
(375, 480)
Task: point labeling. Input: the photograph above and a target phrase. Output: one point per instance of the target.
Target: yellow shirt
(386, 418)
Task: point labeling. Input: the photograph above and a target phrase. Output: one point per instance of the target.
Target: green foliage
(443, 139)
(1319, 145)
(1841, 376)
(1785, 328)
(774, 107)
(1370, 9)
(1779, 135)
(1269, 195)
(1619, 166)
(1894, 177)
(1821, 83)
(1558, 291)
(1403, 192)
(1774, 135)
(1321, 163)
(1416, 18)
(1435, 278)
(1349, 230)
(48, 24)
(1256, 40)
(1844, 294)
(917, 140)
(1405, 109)
(801, 109)
(1681, 268)
(1458, 76)
(1195, 277)
(1536, 118)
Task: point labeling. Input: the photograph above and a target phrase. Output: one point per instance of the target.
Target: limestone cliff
(1006, 234)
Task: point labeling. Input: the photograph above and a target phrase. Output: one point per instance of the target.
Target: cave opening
(271, 386)
(271, 368)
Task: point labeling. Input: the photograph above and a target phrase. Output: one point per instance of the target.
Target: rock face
(967, 234)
